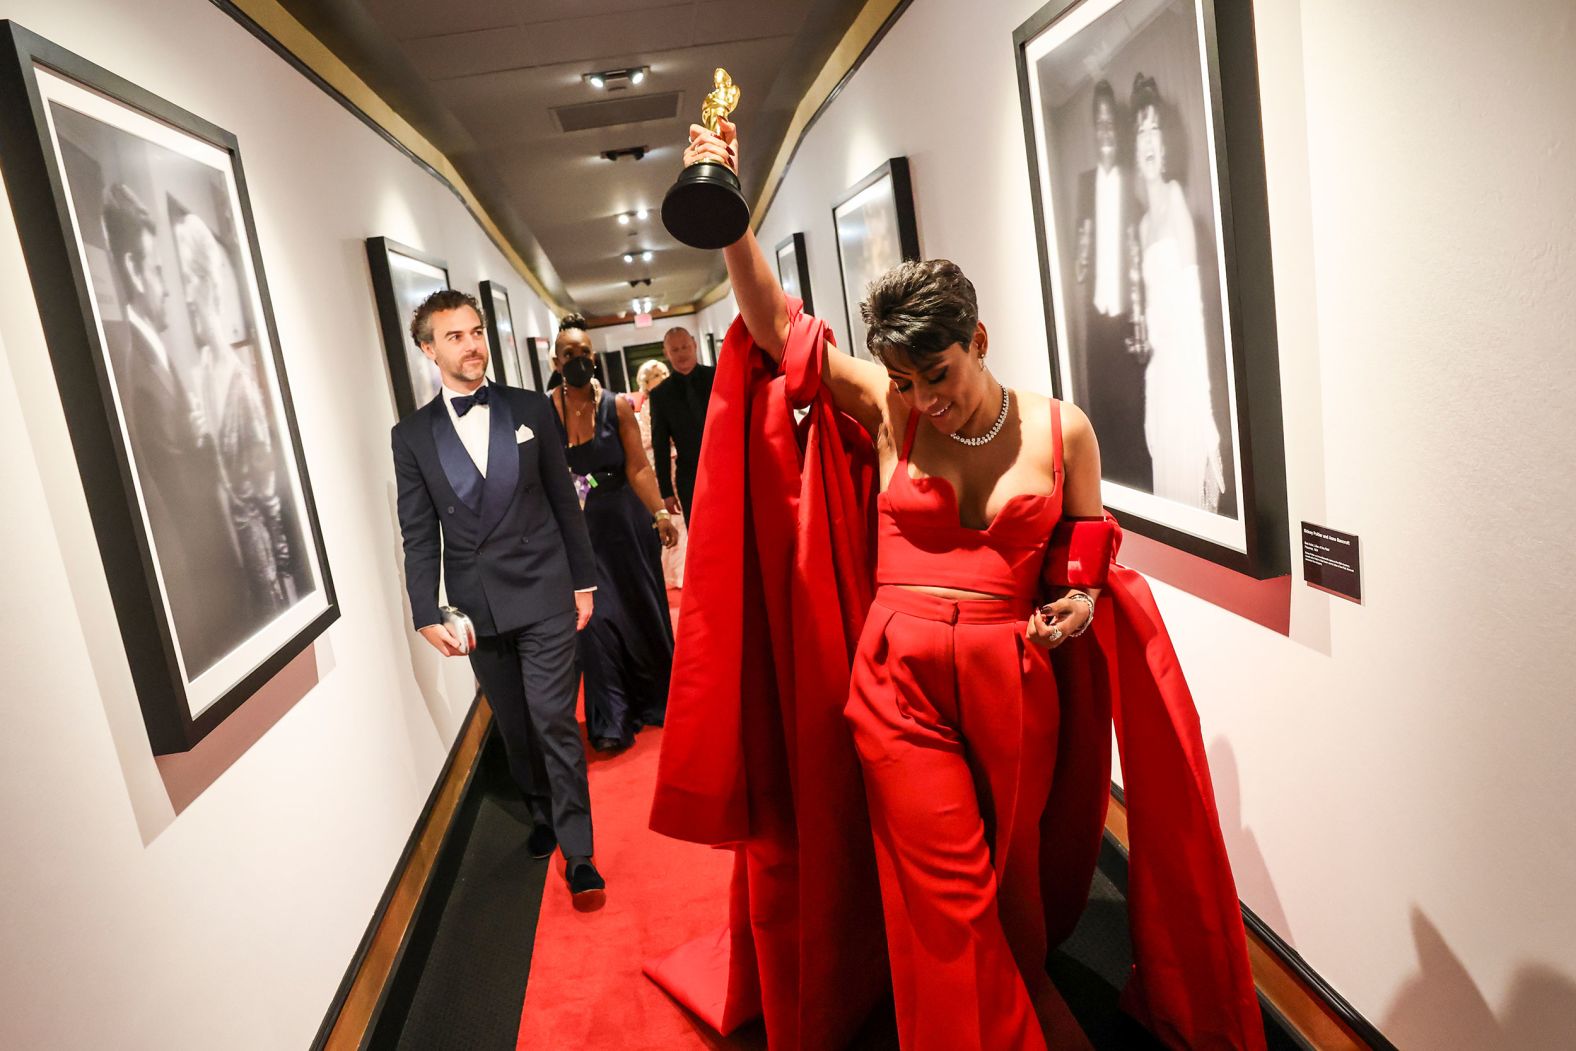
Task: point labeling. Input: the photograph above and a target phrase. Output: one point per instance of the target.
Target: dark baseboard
(388, 1020)
(446, 857)
(1113, 862)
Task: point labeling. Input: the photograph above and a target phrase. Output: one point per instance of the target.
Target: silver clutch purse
(460, 627)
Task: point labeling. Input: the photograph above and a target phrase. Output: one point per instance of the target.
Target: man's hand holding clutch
(455, 636)
(443, 640)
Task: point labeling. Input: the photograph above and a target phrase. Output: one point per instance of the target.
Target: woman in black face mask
(626, 652)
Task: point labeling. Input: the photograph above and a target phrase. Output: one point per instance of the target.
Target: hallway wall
(127, 921)
(1394, 777)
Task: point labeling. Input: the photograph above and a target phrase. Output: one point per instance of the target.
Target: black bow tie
(464, 405)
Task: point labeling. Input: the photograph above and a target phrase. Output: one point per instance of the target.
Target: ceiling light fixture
(616, 79)
(623, 218)
(632, 152)
(645, 256)
(641, 213)
(629, 257)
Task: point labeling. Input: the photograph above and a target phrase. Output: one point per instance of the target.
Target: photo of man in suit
(176, 459)
(1105, 271)
(485, 494)
(678, 415)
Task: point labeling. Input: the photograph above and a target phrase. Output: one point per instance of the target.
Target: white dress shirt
(1108, 241)
(473, 427)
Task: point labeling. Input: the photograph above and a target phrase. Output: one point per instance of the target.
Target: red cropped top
(920, 539)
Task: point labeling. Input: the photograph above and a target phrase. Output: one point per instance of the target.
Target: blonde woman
(648, 378)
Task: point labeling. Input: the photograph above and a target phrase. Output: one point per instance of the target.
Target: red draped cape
(756, 756)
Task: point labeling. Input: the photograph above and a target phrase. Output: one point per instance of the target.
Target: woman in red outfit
(953, 700)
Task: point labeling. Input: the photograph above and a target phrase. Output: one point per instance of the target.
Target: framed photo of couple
(1146, 166)
(402, 277)
(517, 369)
(137, 226)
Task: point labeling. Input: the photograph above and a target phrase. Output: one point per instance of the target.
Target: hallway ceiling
(498, 86)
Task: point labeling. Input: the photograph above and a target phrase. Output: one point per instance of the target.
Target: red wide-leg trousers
(954, 714)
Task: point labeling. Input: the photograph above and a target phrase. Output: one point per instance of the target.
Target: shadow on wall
(1441, 1008)
(187, 775)
(1248, 866)
(1265, 602)
(426, 666)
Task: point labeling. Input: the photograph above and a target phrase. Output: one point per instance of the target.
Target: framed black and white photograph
(793, 270)
(1155, 263)
(401, 278)
(138, 232)
(539, 352)
(876, 231)
(513, 366)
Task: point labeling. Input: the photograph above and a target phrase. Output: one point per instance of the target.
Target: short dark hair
(919, 309)
(1103, 90)
(126, 219)
(574, 321)
(1146, 95)
(443, 299)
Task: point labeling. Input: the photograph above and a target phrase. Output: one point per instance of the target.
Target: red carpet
(586, 989)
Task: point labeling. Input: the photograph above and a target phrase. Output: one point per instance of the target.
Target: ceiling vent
(588, 115)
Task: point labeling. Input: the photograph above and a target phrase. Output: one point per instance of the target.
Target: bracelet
(660, 515)
(1088, 602)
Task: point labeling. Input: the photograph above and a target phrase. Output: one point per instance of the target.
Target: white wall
(1394, 778)
(229, 924)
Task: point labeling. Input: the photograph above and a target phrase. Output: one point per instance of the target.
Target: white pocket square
(523, 434)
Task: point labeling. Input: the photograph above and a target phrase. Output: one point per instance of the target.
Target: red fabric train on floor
(756, 755)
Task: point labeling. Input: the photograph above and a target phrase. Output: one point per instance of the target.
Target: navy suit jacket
(513, 546)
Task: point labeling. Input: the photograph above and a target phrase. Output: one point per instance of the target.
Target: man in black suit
(175, 455)
(678, 414)
(1107, 245)
(484, 488)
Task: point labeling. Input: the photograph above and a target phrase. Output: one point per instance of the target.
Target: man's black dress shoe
(586, 884)
(607, 744)
(541, 842)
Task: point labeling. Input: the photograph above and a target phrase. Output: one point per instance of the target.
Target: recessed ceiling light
(623, 218)
(629, 257)
(641, 213)
(615, 79)
(646, 256)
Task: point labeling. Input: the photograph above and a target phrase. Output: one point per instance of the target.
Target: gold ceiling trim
(311, 52)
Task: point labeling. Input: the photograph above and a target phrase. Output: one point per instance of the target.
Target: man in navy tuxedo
(485, 490)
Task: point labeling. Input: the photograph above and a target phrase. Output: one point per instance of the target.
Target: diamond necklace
(1001, 419)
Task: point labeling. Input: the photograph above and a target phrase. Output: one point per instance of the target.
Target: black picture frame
(538, 356)
(502, 342)
(890, 200)
(793, 270)
(177, 492)
(1215, 135)
(402, 277)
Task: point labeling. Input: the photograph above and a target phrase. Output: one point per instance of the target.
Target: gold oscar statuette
(705, 207)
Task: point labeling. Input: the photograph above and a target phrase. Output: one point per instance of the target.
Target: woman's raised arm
(858, 388)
